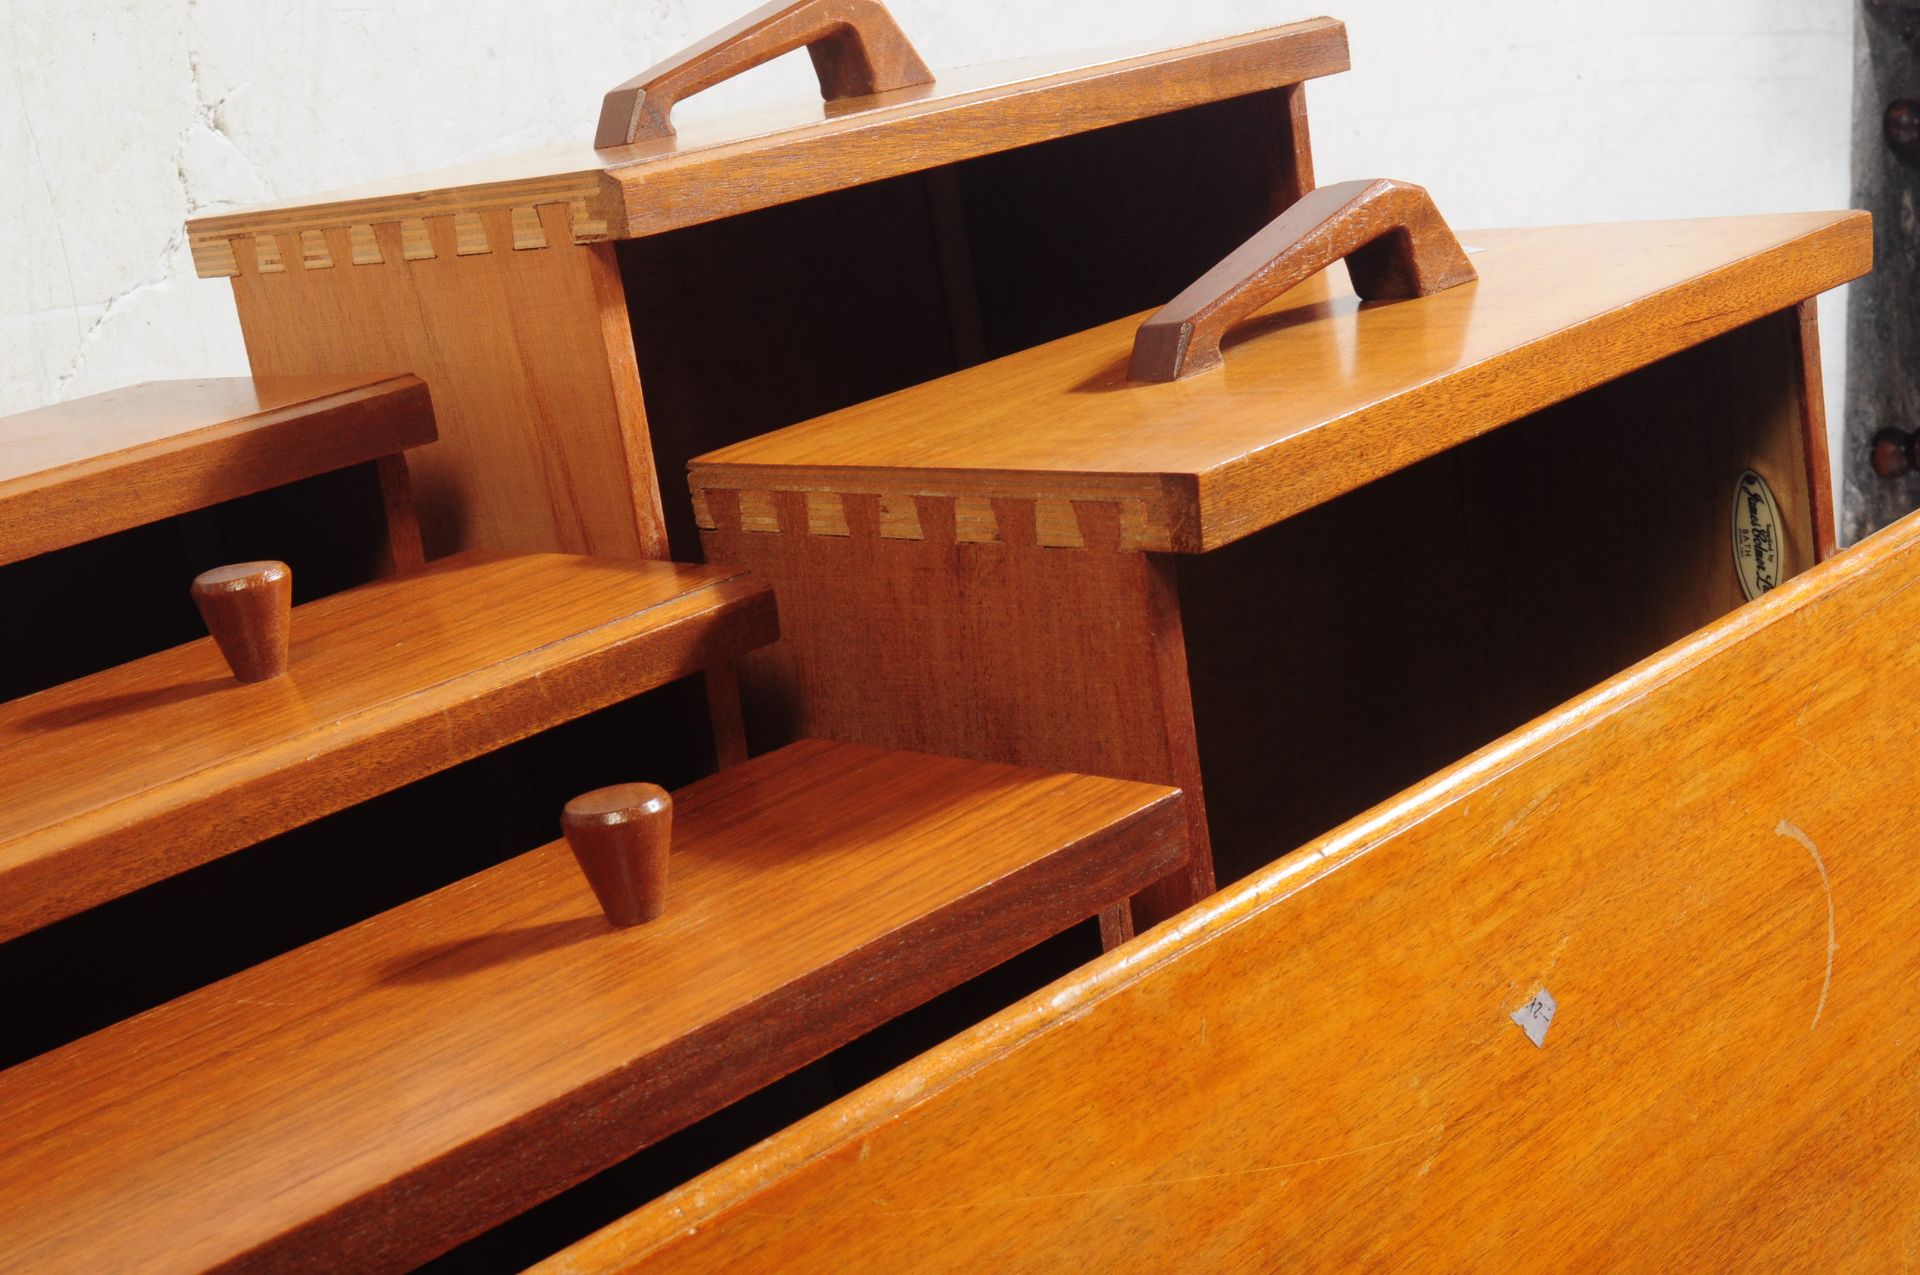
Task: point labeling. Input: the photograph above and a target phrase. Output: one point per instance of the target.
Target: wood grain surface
(1008, 652)
(738, 165)
(371, 1099)
(1704, 863)
(122, 778)
(1318, 397)
(91, 466)
(543, 436)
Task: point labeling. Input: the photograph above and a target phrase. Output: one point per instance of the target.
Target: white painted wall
(119, 118)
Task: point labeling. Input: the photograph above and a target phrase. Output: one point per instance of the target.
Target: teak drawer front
(1398, 530)
(1704, 863)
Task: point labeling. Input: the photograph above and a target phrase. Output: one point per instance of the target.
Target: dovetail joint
(217, 256)
(1056, 522)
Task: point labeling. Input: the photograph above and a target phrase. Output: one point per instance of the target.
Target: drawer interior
(755, 322)
(1347, 653)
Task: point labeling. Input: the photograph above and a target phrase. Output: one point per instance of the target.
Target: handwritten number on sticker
(1536, 1016)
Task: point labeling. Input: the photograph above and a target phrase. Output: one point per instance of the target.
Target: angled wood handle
(1395, 241)
(856, 46)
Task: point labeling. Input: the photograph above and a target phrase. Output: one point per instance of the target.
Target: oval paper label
(1756, 535)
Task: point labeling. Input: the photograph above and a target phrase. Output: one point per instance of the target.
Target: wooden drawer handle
(1395, 242)
(620, 837)
(857, 50)
(248, 607)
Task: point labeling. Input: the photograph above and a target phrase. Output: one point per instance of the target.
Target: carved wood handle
(1395, 241)
(856, 46)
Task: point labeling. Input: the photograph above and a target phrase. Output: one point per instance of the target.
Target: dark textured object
(1901, 126)
(1892, 453)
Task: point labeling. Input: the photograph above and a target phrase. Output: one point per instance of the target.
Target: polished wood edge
(296, 781)
(40, 512)
(404, 551)
(1196, 514)
(1813, 414)
(633, 194)
(629, 402)
(723, 710)
(410, 422)
(858, 50)
(707, 1199)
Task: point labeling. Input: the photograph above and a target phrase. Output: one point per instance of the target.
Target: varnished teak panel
(122, 778)
(83, 469)
(1703, 863)
(543, 441)
(373, 1098)
(1319, 395)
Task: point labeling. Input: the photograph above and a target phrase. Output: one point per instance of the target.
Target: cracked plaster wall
(120, 118)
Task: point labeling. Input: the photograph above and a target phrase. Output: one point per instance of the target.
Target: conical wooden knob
(248, 608)
(620, 835)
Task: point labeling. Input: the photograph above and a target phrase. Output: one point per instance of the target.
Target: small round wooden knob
(248, 608)
(619, 835)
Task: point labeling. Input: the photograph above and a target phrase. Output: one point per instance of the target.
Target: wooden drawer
(582, 314)
(1634, 987)
(1379, 537)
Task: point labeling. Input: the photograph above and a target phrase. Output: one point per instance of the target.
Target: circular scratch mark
(1787, 829)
